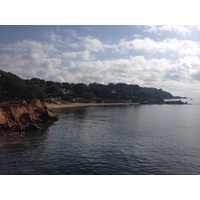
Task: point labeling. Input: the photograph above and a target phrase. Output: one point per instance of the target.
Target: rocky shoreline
(179, 102)
(25, 116)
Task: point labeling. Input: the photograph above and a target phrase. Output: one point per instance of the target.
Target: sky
(160, 56)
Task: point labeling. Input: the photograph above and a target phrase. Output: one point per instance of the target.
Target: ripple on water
(109, 140)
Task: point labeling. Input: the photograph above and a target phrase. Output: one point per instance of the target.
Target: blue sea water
(129, 139)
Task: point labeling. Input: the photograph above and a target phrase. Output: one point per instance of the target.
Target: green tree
(81, 88)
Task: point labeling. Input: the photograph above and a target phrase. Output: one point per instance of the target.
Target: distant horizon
(164, 57)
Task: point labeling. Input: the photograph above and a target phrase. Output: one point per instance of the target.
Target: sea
(109, 140)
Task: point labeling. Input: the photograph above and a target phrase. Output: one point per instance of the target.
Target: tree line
(13, 87)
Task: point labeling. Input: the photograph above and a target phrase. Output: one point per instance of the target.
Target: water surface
(132, 139)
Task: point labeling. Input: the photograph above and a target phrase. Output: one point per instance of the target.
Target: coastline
(71, 105)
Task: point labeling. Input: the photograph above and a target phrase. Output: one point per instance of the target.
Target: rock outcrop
(23, 116)
(179, 102)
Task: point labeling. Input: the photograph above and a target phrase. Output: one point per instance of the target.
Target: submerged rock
(23, 116)
(179, 102)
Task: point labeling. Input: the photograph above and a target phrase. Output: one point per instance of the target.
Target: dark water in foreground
(134, 139)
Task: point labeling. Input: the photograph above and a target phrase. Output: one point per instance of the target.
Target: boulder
(24, 116)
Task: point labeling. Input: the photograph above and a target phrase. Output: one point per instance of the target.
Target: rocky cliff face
(23, 116)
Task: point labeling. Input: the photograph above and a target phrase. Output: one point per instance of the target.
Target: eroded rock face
(24, 116)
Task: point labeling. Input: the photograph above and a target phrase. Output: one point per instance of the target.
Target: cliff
(23, 116)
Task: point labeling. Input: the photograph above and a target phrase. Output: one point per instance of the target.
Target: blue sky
(166, 57)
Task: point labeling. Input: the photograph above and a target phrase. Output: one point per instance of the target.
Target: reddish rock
(24, 116)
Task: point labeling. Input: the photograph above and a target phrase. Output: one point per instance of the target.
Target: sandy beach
(70, 105)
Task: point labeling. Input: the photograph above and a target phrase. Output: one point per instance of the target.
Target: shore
(70, 105)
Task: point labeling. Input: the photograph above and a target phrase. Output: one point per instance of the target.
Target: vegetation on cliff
(13, 87)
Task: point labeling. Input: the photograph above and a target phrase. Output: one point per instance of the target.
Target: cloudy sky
(166, 57)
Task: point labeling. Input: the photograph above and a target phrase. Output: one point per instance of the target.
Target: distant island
(23, 101)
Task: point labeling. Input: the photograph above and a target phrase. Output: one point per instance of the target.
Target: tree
(13, 87)
(54, 90)
(81, 88)
(100, 90)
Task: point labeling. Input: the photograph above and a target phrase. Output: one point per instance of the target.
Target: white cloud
(93, 44)
(71, 32)
(180, 47)
(84, 55)
(137, 36)
(29, 58)
(28, 66)
(52, 36)
(70, 55)
(121, 70)
(191, 66)
(28, 46)
(74, 45)
(180, 29)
